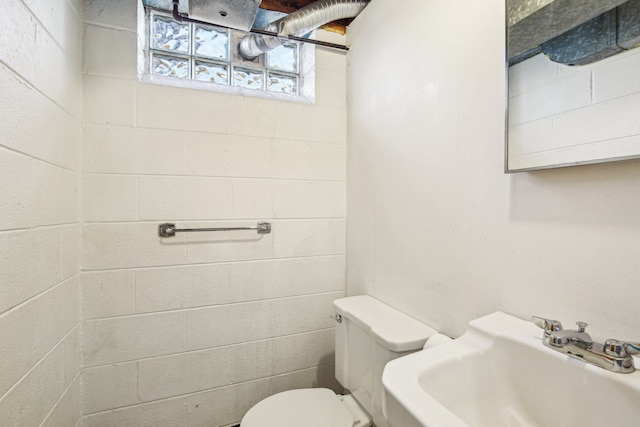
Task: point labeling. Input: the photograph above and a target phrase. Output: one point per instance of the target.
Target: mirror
(574, 82)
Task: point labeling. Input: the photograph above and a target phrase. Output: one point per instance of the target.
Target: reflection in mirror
(574, 82)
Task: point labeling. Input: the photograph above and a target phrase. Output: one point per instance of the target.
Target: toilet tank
(371, 334)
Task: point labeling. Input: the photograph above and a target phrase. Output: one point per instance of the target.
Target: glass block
(211, 42)
(170, 35)
(162, 65)
(284, 58)
(283, 84)
(250, 79)
(209, 72)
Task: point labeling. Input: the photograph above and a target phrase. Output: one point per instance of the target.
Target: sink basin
(498, 374)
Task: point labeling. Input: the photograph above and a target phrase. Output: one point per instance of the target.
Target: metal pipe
(299, 23)
(257, 31)
(176, 14)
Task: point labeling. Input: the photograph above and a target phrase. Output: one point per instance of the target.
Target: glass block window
(250, 79)
(284, 58)
(211, 42)
(211, 72)
(170, 35)
(208, 56)
(282, 83)
(163, 65)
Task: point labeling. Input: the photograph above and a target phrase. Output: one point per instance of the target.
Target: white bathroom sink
(498, 374)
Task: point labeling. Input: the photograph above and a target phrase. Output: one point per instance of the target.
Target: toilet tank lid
(392, 329)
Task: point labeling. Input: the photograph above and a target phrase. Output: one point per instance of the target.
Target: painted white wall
(40, 113)
(435, 228)
(562, 115)
(196, 329)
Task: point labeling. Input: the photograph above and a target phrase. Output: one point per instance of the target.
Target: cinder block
(60, 20)
(33, 264)
(252, 116)
(108, 294)
(56, 198)
(311, 161)
(617, 77)
(44, 384)
(531, 137)
(17, 48)
(71, 143)
(17, 199)
(109, 387)
(128, 150)
(57, 68)
(181, 287)
(125, 245)
(207, 369)
(71, 244)
(169, 413)
(184, 198)
(128, 338)
(327, 124)
(228, 155)
(253, 198)
(228, 324)
(321, 376)
(331, 87)
(286, 277)
(117, 14)
(302, 351)
(568, 93)
(623, 147)
(331, 60)
(292, 121)
(109, 101)
(164, 107)
(309, 199)
(110, 52)
(17, 119)
(309, 237)
(72, 347)
(68, 410)
(600, 122)
(238, 323)
(109, 198)
(37, 326)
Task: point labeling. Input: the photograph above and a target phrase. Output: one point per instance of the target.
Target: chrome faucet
(613, 355)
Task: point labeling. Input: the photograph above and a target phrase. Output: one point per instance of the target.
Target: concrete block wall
(195, 329)
(40, 113)
(560, 114)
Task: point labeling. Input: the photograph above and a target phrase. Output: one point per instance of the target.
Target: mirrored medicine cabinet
(573, 82)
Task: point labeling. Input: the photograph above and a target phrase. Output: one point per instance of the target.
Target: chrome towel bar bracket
(170, 230)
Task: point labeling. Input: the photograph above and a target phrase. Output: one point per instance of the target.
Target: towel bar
(170, 230)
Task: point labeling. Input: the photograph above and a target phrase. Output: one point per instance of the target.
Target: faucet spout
(576, 337)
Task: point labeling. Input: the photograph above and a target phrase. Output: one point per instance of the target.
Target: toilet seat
(309, 407)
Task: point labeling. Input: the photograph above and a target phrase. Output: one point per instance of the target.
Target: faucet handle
(581, 326)
(619, 348)
(548, 325)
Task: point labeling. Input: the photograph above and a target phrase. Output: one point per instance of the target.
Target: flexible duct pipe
(299, 23)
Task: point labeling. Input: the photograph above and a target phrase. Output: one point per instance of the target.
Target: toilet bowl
(368, 334)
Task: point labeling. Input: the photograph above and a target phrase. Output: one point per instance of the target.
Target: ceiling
(284, 6)
(288, 6)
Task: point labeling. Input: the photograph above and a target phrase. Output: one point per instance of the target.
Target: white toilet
(368, 335)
